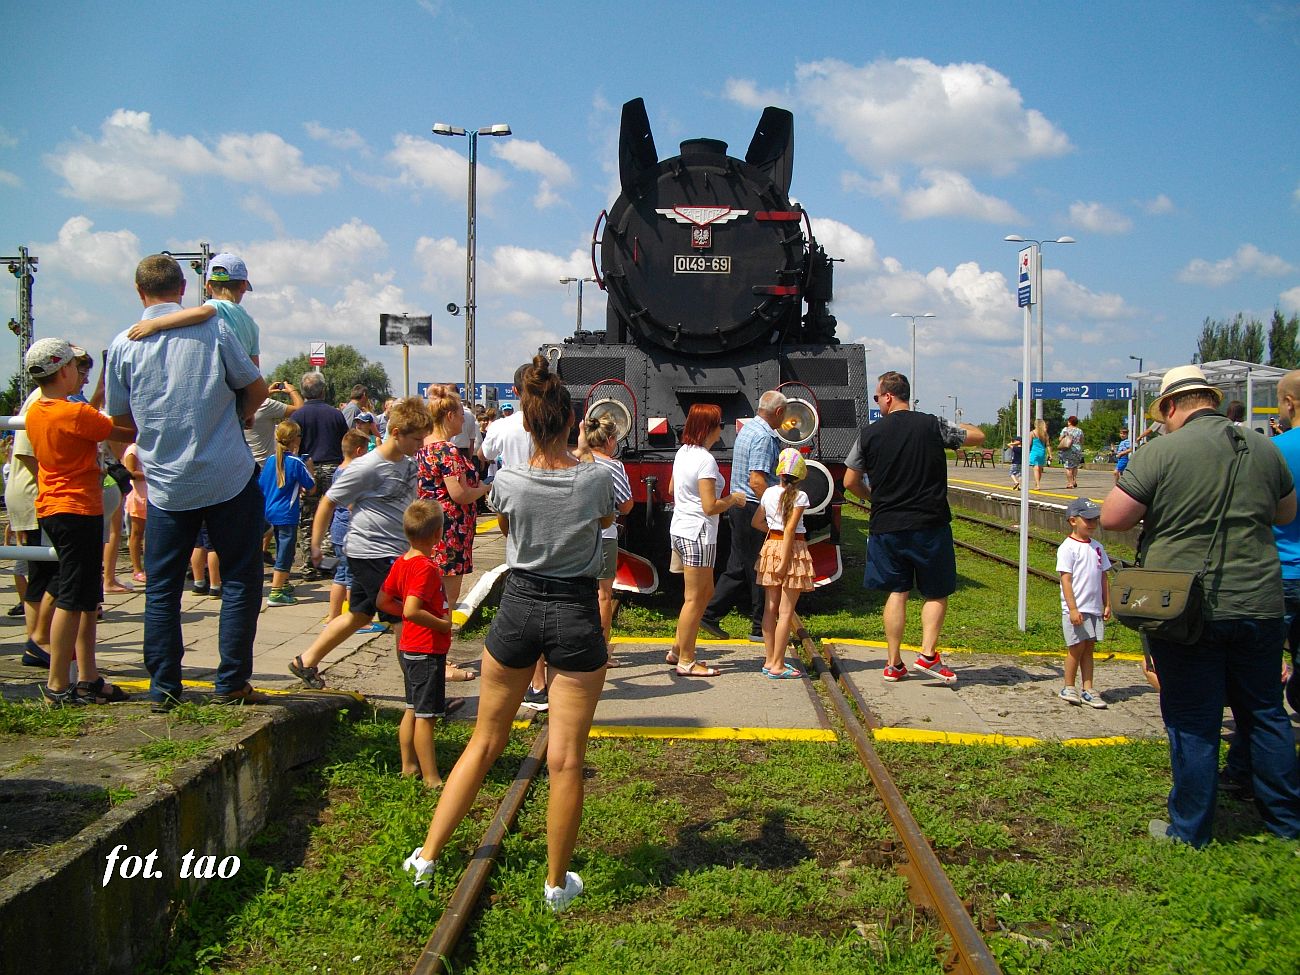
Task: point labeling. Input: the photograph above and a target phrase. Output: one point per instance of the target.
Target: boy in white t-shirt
(1085, 599)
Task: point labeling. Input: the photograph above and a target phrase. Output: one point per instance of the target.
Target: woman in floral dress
(446, 476)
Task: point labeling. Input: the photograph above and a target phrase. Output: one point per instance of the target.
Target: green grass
(745, 858)
(34, 718)
(1052, 843)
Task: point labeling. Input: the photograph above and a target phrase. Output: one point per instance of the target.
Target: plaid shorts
(695, 553)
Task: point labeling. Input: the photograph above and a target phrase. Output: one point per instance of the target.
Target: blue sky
(1161, 135)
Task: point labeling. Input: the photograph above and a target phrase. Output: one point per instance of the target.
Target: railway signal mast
(199, 261)
(23, 267)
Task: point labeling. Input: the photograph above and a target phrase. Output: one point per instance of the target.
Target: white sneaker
(1070, 695)
(1092, 699)
(420, 869)
(558, 898)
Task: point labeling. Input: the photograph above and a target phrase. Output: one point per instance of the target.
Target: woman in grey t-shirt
(552, 511)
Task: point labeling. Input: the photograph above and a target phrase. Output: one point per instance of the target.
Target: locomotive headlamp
(800, 424)
(617, 411)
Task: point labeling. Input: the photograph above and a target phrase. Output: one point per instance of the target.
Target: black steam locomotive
(717, 291)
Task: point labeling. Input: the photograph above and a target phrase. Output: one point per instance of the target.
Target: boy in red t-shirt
(413, 591)
(65, 439)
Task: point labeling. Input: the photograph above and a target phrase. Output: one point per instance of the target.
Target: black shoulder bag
(1168, 605)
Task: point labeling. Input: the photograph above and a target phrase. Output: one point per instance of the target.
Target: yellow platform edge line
(203, 685)
(490, 525)
(712, 734)
(880, 644)
(921, 736)
(1003, 489)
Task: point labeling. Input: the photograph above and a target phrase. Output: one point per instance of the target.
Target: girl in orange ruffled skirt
(784, 568)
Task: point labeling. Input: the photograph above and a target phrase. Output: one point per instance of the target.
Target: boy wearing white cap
(227, 284)
(1085, 599)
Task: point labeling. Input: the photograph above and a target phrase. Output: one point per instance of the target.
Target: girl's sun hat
(791, 462)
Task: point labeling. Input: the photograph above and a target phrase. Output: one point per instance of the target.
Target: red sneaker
(935, 668)
(895, 673)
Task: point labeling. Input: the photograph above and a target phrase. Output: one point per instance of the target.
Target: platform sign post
(316, 354)
(1026, 295)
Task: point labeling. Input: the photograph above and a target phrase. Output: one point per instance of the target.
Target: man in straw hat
(1177, 485)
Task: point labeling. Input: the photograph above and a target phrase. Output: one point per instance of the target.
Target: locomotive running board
(635, 574)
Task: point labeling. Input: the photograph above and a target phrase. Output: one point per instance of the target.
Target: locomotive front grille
(582, 371)
(818, 372)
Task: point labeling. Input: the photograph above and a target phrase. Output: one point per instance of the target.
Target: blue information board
(1079, 390)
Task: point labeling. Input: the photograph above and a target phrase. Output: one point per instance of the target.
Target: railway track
(928, 886)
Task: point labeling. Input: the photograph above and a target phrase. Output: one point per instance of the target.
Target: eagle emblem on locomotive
(717, 291)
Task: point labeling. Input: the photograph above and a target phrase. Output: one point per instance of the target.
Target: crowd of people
(218, 473)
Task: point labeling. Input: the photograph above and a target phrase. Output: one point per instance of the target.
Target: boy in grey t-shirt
(378, 487)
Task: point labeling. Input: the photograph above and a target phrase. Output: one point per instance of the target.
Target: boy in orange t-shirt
(70, 508)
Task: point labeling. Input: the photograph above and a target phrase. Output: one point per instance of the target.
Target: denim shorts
(558, 619)
(425, 678)
(286, 537)
(921, 559)
(343, 572)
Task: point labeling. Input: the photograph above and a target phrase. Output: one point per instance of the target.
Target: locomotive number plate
(701, 264)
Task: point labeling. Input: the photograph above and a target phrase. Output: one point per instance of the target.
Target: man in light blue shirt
(753, 471)
(177, 389)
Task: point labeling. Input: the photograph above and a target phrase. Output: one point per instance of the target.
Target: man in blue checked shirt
(753, 471)
(177, 389)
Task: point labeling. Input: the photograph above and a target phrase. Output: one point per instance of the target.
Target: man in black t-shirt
(899, 464)
(323, 427)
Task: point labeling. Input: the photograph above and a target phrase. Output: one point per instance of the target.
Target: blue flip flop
(788, 673)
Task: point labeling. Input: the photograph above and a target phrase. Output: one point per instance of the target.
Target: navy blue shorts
(425, 677)
(558, 619)
(921, 559)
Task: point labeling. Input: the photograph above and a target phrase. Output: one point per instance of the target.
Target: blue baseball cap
(227, 267)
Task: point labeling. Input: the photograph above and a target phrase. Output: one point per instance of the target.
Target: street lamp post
(580, 282)
(1038, 272)
(442, 128)
(956, 413)
(1140, 415)
(899, 314)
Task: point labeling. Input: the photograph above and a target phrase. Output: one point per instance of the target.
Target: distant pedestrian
(597, 444)
(784, 568)
(283, 479)
(753, 466)
(1123, 450)
(358, 402)
(413, 591)
(323, 427)
(1040, 452)
(1177, 486)
(1071, 446)
(1082, 565)
(1016, 450)
(899, 464)
(354, 446)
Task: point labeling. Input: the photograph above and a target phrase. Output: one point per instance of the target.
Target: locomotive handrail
(595, 242)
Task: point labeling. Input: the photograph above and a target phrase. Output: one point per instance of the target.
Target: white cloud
(339, 254)
(1289, 300)
(747, 93)
(133, 166)
(912, 111)
(442, 260)
(80, 253)
(949, 194)
(1159, 206)
(338, 138)
(430, 165)
(533, 157)
(7, 140)
(857, 250)
(520, 270)
(1248, 259)
(10, 179)
(1099, 218)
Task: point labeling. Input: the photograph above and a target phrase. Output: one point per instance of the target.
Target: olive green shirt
(1182, 478)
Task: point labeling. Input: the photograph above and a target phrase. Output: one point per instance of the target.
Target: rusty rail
(928, 886)
(460, 908)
